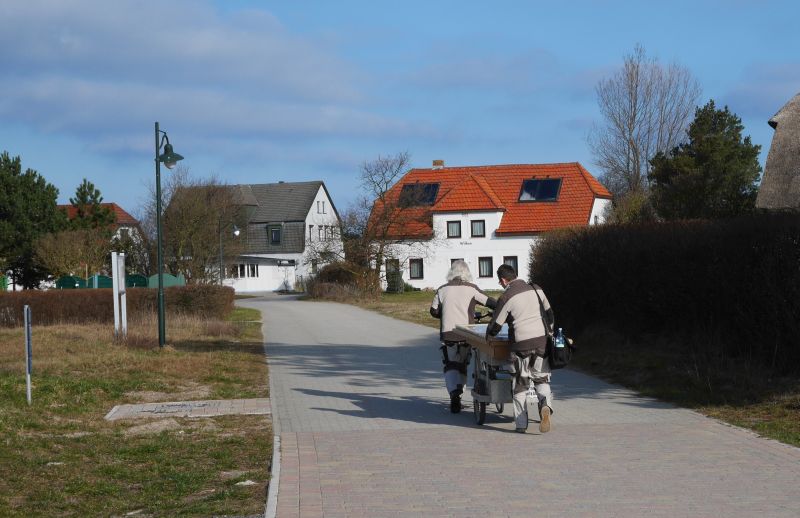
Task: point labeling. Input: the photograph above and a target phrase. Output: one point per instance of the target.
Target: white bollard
(123, 297)
(28, 350)
(115, 290)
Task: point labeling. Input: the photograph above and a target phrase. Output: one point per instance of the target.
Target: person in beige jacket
(454, 304)
(529, 323)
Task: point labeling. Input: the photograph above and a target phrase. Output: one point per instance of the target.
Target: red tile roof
(497, 188)
(123, 219)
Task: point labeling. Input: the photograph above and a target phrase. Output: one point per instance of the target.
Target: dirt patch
(152, 427)
(186, 392)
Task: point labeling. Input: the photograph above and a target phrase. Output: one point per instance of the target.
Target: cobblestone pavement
(365, 431)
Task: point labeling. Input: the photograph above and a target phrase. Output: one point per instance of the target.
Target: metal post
(28, 351)
(115, 291)
(159, 258)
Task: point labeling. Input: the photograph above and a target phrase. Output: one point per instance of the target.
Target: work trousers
(455, 357)
(530, 369)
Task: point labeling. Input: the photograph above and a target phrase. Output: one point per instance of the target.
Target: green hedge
(97, 305)
(730, 287)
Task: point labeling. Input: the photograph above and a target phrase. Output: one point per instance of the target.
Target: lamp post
(170, 158)
(221, 263)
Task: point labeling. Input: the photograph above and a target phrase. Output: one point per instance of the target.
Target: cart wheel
(499, 407)
(479, 409)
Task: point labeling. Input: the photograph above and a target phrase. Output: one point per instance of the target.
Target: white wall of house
(261, 274)
(490, 249)
(322, 232)
(438, 253)
(599, 211)
(253, 273)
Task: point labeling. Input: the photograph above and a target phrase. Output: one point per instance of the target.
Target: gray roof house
(780, 187)
(284, 222)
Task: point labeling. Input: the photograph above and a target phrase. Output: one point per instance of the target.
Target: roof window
(540, 189)
(416, 194)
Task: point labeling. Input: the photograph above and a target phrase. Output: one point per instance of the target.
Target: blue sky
(256, 92)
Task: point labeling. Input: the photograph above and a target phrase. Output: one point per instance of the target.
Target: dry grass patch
(60, 457)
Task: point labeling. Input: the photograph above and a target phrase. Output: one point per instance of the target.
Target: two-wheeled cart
(492, 383)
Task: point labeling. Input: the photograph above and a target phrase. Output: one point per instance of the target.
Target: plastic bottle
(559, 341)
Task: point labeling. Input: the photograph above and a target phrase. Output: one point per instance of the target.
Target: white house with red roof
(124, 224)
(485, 215)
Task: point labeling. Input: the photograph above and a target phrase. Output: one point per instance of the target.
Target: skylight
(546, 189)
(416, 194)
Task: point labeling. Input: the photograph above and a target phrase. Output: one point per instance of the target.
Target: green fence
(70, 282)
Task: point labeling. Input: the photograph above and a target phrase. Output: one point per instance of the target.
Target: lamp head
(236, 231)
(169, 157)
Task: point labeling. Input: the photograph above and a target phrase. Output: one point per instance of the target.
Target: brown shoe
(544, 424)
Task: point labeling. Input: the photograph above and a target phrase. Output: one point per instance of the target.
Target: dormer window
(274, 235)
(417, 194)
(545, 189)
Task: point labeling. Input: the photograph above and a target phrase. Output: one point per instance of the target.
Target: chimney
(438, 164)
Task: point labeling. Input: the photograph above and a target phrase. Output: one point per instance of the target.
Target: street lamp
(170, 158)
(221, 264)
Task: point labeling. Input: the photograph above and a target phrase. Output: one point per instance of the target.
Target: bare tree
(646, 109)
(197, 214)
(385, 220)
(73, 252)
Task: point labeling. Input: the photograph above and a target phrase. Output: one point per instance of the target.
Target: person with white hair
(454, 304)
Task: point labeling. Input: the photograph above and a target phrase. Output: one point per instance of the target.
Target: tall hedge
(97, 305)
(731, 287)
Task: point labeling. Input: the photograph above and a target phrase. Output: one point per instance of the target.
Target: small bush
(97, 305)
(342, 281)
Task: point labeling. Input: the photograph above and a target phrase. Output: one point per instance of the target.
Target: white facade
(488, 250)
(284, 271)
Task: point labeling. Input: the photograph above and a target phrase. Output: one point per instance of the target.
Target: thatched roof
(780, 187)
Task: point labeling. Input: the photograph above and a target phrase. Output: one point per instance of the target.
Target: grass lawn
(771, 407)
(59, 457)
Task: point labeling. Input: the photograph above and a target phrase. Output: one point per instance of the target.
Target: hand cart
(491, 382)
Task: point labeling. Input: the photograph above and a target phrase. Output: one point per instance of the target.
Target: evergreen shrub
(729, 287)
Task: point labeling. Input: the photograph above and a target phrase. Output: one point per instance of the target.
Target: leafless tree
(646, 108)
(73, 252)
(384, 220)
(197, 214)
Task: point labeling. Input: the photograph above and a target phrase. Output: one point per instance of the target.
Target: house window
(320, 207)
(252, 270)
(125, 233)
(453, 229)
(415, 268)
(485, 267)
(274, 235)
(456, 259)
(238, 271)
(511, 260)
(310, 232)
(314, 266)
(418, 194)
(540, 190)
(478, 228)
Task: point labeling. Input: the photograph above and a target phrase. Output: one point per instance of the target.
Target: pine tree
(28, 210)
(713, 175)
(90, 211)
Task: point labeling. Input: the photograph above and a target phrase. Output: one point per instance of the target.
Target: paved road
(361, 411)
